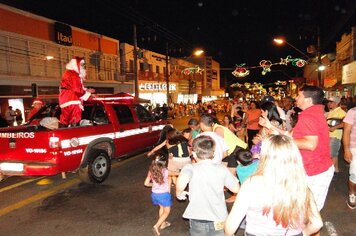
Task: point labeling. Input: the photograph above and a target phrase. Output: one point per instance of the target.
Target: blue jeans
(203, 228)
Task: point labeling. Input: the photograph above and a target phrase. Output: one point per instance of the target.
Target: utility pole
(135, 61)
(167, 74)
(320, 83)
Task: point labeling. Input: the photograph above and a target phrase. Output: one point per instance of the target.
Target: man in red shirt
(311, 135)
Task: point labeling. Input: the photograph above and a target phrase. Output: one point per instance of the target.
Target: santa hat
(74, 64)
(37, 101)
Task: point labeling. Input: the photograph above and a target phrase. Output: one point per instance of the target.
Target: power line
(138, 18)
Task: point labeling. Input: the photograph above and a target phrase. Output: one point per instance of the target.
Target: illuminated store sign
(63, 34)
(157, 86)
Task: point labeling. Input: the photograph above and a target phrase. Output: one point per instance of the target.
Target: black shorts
(231, 161)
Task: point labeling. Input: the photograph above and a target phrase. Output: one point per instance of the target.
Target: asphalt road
(121, 205)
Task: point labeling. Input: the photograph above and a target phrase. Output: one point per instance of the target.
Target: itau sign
(63, 34)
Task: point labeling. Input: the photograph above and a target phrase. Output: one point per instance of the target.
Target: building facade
(210, 83)
(339, 76)
(35, 50)
(190, 79)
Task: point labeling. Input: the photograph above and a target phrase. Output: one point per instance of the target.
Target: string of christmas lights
(242, 70)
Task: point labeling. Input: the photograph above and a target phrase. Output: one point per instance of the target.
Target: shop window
(53, 67)
(123, 114)
(18, 57)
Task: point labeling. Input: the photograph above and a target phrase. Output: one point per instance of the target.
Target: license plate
(11, 167)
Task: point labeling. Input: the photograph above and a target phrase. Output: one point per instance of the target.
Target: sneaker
(351, 201)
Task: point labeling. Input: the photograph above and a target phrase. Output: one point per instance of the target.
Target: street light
(198, 52)
(281, 41)
(320, 67)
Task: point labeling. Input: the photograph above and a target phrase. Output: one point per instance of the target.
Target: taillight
(53, 142)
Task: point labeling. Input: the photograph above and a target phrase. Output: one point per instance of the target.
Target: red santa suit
(36, 106)
(72, 92)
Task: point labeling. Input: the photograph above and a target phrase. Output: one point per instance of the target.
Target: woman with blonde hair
(276, 200)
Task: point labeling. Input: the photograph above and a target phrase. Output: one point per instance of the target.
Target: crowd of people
(276, 160)
(16, 117)
(12, 117)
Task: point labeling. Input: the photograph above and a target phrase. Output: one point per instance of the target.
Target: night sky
(233, 31)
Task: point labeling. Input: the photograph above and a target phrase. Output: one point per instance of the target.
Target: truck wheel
(98, 167)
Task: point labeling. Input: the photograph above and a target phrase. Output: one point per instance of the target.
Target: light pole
(167, 74)
(319, 58)
(320, 67)
(196, 53)
(281, 41)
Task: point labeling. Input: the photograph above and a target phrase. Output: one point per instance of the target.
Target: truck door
(147, 123)
(126, 137)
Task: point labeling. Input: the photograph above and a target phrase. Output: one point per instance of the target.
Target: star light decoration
(242, 70)
(192, 70)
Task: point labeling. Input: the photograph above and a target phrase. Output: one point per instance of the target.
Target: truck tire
(98, 167)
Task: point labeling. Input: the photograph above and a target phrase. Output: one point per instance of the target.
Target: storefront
(156, 92)
(211, 95)
(349, 79)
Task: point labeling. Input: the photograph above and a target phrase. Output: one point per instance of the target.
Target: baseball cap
(334, 99)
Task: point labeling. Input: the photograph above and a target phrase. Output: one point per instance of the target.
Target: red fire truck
(111, 127)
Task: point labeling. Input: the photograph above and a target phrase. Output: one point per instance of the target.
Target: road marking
(51, 191)
(18, 184)
(37, 197)
(45, 181)
(330, 228)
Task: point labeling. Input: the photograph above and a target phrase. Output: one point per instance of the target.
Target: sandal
(165, 224)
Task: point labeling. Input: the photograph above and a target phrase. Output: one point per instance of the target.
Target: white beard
(83, 73)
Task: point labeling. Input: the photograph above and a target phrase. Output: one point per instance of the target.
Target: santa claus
(73, 93)
(37, 104)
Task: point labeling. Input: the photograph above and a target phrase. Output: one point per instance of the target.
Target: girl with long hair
(268, 111)
(157, 178)
(276, 199)
(178, 151)
(178, 154)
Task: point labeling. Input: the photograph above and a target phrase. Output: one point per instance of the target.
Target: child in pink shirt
(157, 178)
